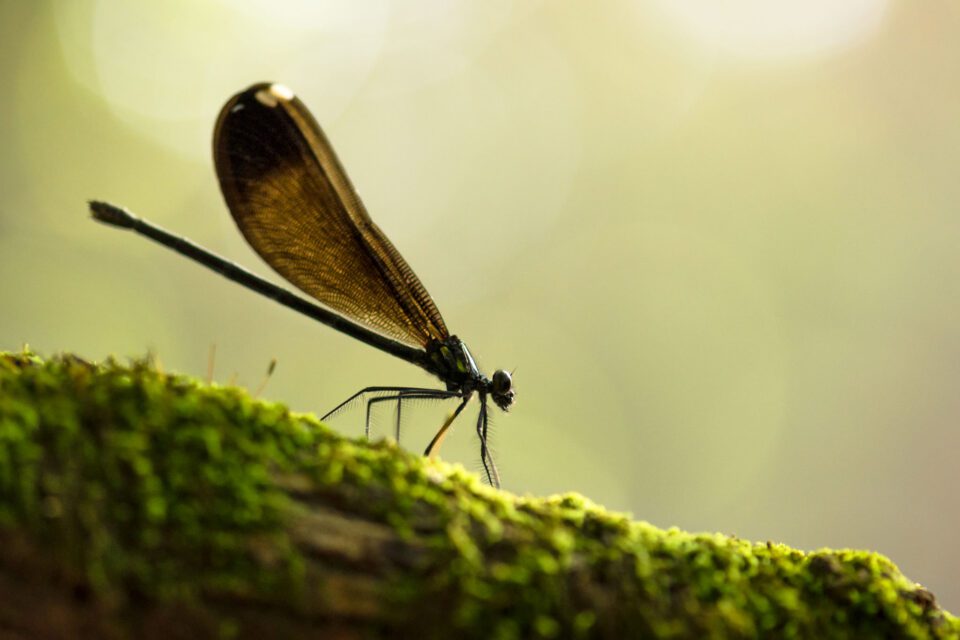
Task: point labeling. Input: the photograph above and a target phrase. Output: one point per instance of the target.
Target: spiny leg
(437, 439)
(399, 404)
(406, 393)
(363, 392)
(493, 465)
(493, 476)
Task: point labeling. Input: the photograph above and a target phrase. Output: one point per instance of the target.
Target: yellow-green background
(719, 241)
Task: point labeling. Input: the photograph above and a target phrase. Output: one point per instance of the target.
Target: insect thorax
(451, 361)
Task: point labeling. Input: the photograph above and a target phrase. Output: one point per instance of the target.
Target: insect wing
(294, 204)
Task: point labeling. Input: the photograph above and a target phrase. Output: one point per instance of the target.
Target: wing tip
(268, 94)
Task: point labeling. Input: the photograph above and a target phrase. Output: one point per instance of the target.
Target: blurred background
(717, 240)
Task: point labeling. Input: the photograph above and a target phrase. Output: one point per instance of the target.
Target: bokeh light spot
(784, 30)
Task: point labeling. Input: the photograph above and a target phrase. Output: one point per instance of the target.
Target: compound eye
(501, 381)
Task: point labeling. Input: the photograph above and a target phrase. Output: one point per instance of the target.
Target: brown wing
(296, 207)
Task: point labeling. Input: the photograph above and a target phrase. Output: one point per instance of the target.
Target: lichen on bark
(136, 503)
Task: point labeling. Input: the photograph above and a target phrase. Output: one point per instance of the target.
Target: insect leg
(437, 439)
(399, 404)
(406, 393)
(359, 394)
(493, 476)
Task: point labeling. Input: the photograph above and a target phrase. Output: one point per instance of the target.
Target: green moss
(158, 485)
(144, 480)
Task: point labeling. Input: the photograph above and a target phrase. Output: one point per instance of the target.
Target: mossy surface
(160, 486)
(145, 481)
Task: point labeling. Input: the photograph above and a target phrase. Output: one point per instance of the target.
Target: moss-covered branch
(139, 504)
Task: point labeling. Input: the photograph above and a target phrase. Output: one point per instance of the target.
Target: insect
(294, 204)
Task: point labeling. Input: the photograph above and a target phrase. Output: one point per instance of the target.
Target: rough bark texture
(139, 504)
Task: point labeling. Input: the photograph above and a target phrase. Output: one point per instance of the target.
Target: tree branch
(139, 504)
